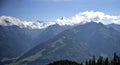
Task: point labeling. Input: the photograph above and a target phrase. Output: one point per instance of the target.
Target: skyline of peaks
(80, 18)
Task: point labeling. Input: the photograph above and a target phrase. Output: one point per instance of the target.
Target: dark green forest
(100, 61)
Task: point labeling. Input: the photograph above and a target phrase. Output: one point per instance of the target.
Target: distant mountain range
(115, 26)
(29, 46)
(76, 43)
(15, 41)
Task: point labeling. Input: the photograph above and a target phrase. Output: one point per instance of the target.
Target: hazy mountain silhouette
(77, 44)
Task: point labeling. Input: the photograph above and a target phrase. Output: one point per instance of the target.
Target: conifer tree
(93, 61)
(86, 63)
(106, 61)
(90, 62)
(81, 63)
(100, 61)
(115, 59)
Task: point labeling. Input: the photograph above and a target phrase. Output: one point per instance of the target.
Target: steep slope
(34, 35)
(13, 41)
(49, 32)
(20, 40)
(100, 39)
(75, 44)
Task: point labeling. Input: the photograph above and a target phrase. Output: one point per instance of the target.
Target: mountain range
(19, 46)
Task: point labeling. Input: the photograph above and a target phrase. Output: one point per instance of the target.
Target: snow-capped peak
(80, 18)
(9, 21)
(85, 17)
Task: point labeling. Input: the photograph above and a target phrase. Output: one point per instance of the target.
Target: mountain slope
(20, 40)
(50, 32)
(13, 41)
(75, 44)
(115, 26)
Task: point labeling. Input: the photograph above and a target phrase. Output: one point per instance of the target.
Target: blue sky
(49, 10)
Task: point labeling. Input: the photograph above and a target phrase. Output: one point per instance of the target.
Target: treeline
(100, 61)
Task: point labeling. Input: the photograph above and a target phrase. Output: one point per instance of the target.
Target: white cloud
(8, 21)
(89, 16)
(79, 18)
(37, 25)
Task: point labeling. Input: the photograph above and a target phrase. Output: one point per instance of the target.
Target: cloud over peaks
(89, 16)
(80, 18)
(9, 21)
